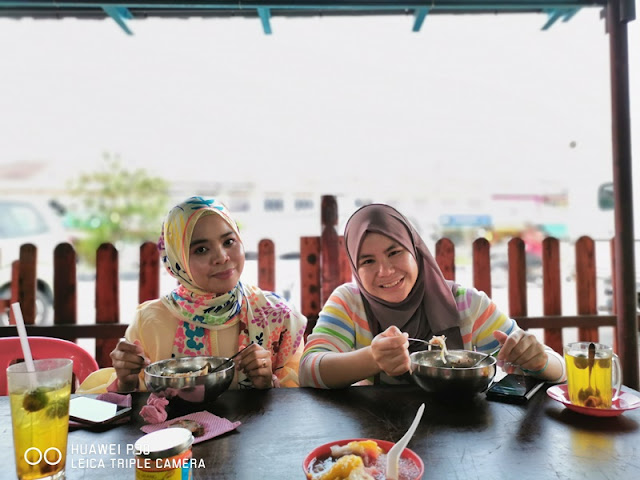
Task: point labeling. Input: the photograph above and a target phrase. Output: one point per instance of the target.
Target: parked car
(30, 221)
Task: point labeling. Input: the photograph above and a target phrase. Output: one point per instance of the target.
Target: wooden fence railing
(323, 266)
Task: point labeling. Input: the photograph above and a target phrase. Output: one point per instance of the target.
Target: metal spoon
(419, 340)
(393, 455)
(592, 360)
(447, 358)
(219, 367)
(492, 354)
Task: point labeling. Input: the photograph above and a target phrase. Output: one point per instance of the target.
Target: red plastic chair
(45, 347)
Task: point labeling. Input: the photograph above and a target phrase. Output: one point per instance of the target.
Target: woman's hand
(127, 360)
(390, 350)
(255, 362)
(522, 349)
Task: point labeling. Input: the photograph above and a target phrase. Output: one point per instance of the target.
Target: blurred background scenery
(477, 126)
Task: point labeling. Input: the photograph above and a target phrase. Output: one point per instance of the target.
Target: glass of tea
(593, 374)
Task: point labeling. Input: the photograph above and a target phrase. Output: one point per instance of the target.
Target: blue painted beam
(420, 15)
(119, 14)
(556, 14)
(265, 16)
(569, 15)
(354, 6)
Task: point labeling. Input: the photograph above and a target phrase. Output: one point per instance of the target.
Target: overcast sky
(336, 102)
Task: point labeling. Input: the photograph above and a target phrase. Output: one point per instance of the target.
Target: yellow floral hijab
(265, 318)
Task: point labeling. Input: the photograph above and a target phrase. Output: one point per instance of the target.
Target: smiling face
(216, 255)
(386, 269)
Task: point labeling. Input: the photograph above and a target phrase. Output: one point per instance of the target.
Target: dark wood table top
(456, 440)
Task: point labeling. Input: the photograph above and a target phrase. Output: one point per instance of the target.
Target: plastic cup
(40, 417)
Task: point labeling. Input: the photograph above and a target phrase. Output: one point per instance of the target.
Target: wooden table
(475, 439)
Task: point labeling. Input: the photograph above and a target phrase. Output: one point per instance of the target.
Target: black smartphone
(91, 411)
(514, 388)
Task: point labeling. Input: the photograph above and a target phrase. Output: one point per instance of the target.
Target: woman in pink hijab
(399, 293)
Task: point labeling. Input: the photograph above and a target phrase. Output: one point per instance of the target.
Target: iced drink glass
(40, 417)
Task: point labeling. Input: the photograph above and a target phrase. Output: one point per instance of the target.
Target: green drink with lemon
(40, 417)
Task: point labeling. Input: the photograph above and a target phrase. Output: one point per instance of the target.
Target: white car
(30, 221)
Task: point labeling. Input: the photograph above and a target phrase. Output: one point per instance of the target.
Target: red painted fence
(323, 266)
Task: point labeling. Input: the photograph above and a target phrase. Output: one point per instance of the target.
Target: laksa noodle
(204, 370)
(440, 341)
(363, 460)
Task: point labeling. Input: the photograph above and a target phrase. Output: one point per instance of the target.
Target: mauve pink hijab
(430, 308)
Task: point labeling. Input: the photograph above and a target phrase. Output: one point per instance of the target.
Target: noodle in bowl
(457, 375)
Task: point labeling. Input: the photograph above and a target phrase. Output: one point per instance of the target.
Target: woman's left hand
(522, 349)
(255, 362)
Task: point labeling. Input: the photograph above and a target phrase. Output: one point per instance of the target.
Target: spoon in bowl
(393, 455)
(219, 367)
(492, 354)
(444, 355)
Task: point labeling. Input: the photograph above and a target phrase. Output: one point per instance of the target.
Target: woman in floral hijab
(211, 312)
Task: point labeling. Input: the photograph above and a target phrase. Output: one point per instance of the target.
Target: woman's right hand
(128, 360)
(390, 350)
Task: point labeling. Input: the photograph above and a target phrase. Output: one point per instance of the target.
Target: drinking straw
(22, 333)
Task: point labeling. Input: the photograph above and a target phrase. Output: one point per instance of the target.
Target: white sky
(488, 101)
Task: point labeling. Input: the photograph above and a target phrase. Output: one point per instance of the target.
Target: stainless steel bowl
(458, 376)
(160, 378)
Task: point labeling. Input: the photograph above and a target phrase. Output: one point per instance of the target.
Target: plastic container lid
(164, 443)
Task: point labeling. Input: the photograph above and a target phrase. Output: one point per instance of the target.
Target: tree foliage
(116, 205)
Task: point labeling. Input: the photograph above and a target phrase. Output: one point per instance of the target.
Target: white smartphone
(95, 412)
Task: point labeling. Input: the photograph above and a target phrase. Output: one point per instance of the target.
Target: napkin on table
(213, 425)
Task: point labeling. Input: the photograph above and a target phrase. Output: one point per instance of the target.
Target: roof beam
(557, 13)
(265, 17)
(342, 6)
(420, 15)
(119, 14)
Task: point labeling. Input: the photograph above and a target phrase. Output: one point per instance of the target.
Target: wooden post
(345, 265)
(552, 290)
(310, 301)
(266, 265)
(27, 282)
(586, 285)
(330, 247)
(65, 286)
(482, 265)
(614, 310)
(446, 258)
(618, 13)
(107, 299)
(149, 284)
(517, 278)
(15, 295)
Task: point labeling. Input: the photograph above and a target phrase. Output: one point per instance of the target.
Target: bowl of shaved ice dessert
(359, 458)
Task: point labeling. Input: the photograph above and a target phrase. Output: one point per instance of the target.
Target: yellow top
(154, 326)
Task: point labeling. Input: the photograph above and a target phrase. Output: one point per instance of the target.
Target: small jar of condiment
(164, 454)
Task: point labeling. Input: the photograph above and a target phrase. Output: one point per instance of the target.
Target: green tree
(116, 205)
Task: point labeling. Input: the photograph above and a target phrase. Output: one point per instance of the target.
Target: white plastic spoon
(393, 456)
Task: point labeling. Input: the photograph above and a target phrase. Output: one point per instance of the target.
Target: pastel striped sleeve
(335, 332)
(480, 318)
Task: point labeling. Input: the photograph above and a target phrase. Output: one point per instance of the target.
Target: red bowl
(325, 450)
